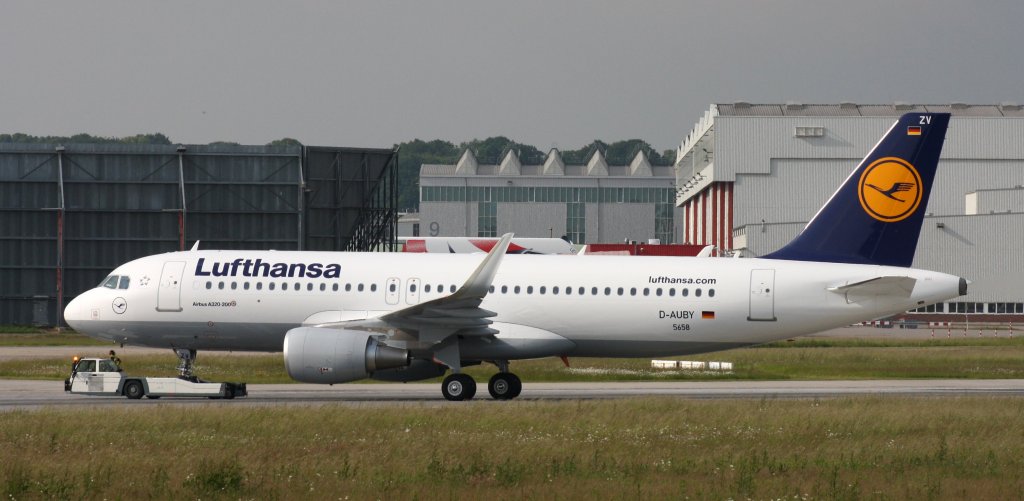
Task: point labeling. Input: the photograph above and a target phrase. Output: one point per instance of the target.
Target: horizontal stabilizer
(879, 286)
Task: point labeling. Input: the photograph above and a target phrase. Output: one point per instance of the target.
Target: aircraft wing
(892, 286)
(436, 320)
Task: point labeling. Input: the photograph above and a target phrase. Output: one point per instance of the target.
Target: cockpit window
(124, 283)
(111, 282)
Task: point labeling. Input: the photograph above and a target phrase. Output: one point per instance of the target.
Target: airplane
(340, 317)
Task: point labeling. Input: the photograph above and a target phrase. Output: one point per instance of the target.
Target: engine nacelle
(328, 356)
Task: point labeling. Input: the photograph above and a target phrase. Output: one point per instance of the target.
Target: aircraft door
(762, 296)
(412, 294)
(391, 290)
(168, 296)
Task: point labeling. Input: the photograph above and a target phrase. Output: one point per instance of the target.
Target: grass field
(802, 359)
(30, 336)
(850, 448)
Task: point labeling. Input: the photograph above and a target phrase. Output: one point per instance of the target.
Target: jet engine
(328, 356)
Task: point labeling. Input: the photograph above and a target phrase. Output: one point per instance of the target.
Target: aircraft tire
(504, 386)
(457, 387)
(133, 389)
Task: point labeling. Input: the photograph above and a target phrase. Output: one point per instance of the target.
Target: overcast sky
(546, 73)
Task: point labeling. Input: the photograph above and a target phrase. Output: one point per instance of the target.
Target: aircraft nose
(75, 312)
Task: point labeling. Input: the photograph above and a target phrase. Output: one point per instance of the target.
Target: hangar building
(589, 203)
(750, 176)
(71, 213)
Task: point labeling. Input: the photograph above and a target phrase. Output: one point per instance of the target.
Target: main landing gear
(502, 386)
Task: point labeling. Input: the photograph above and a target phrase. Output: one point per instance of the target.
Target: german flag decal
(707, 315)
(913, 130)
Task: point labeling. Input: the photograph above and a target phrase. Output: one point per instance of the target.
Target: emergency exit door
(168, 296)
(762, 296)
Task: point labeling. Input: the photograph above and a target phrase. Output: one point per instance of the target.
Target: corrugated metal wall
(71, 214)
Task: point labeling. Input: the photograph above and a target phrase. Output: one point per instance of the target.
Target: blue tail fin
(875, 217)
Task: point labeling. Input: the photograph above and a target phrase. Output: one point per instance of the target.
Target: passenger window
(529, 289)
(111, 282)
(489, 289)
(607, 291)
(696, 293)
(234, 285)
(647, 292)
(348, 287)
(309, 287)
(516, 290)
(426, 288)
(711, 292)
(504, 289)
(568, 291)
(554, 290)
(334, 287)
(373, 287)
(359, 287)
(209, 285)
(298, 286)
(245, 285)
(620, 291)
(686, 292)
(672, 292)
(658, 291)
(392, 287)
(259, 286)
(284, 286)
(270, 286)
(632, 291)
(543, 289)
(451, 288)
(220, 285)
(123, 284)
(593, 291)
(583, 290)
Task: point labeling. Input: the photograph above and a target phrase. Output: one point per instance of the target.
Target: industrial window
(487, 219)
(664, 221)
(809, 132)
(576, 222)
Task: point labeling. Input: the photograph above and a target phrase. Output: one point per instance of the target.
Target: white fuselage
(609, 306)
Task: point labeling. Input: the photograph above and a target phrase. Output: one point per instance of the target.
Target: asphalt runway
(20, 394)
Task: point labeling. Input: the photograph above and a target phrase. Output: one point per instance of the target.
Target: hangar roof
(744, 109)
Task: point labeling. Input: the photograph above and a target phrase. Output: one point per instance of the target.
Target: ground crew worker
(114, 358)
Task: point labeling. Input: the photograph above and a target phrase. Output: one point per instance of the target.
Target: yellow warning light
(74, 359)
